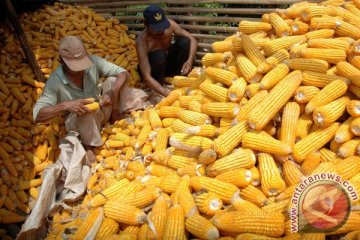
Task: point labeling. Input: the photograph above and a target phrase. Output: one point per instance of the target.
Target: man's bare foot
(90, 155)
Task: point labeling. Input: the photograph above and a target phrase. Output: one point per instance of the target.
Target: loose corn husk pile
(26, 149)
(221, 155)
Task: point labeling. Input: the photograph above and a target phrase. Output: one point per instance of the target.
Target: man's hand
(186, 68)
(105, 100)
(78, 106)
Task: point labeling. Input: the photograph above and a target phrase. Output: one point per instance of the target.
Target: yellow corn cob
(124, 213)
(317, 79)
(187, 202)
(305, 64)
(251, 50)
(330, 92)
(166, 122)
(324, 22)
(143, 136)
(206, 130)
(249, 105)
(311, 161)
(179, 126)
(299, 27)
(272, 46)
(214, 91)
(348, 167)
(161, 139)
(353, 108)
(157, 217)
(261, 141)
(247, 69)
(291, 172)
(207, 157)
(159, 170)
(220, 109)
(170, 99)
(240, 177)
(239, 159)
(175, 223)
(273, 60)
(274, 76)
(90, 225)
(227, 142)
(195, 106)
(327, 114)
(185, 100)
(290, 117)
(169, 183)
(351, 224)
(220, 75)
(181, 81)
(347, 70)
(348, 148)
(201, 227)
(252, 89)
(347, 30)
(208, 203)
(222, 189)
(154, 118)
(249, 27)
(177, 161)
(271, 182)
(193, 118)
(240, 222)
(305, 93)
(313, 141)
(327, 155)
(109, 193)
(323, 33)
(188, 142)
(243, 205)
(279, 25)
(274, 101)
(210, 59)
(330, 55)
(142, 198)
(344, 134)
(222, 46)
(93, 106)
(329, 44)
(237, 90)
(355, 90)
(355, 126)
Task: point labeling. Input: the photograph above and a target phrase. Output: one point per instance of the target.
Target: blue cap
(156, 19)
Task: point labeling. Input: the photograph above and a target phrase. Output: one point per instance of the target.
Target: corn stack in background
(102, 37)
(222, 147)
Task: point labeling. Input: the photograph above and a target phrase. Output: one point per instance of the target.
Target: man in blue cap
(158, 56)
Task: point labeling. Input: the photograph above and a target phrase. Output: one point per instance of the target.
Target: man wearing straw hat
(77, 79)
(158, 55)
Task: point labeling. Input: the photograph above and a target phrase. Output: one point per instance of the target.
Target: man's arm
(48, 112)
(179, 31)
(145, 68)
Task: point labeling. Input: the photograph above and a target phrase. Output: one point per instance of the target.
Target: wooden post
(24, 43)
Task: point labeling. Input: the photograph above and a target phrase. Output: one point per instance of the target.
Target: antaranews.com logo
(321, 203)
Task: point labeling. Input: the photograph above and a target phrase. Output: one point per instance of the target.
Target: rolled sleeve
(108, 69)
(47, 98)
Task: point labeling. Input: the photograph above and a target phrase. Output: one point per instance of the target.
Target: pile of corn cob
(221, 155)
(25, 148)
(102, 37)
